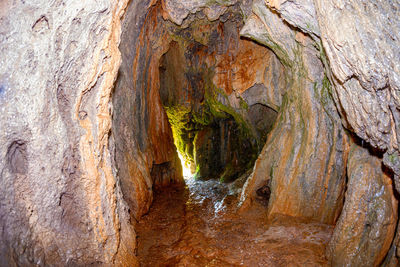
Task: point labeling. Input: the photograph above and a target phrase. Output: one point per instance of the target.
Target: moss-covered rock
(207, 129)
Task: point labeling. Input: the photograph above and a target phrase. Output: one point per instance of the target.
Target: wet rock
(263, 119)
(165, 174)
(306, 151)
(202, 228)
(367, 224)
(141, 132)
(221, 152)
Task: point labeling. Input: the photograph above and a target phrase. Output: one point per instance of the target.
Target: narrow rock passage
(197, 225)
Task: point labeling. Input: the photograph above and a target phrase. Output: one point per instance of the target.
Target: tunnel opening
(205, 75)
(102, 101)
(247, 109)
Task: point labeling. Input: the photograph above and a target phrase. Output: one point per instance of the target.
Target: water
(198, 225)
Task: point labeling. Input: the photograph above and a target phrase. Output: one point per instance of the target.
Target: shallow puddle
(198, 225)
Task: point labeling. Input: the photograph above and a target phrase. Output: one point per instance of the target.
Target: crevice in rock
(17, 158)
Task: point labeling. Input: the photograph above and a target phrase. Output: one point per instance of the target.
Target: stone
(177, 11)
(59, 196)
(299, 13)
(307, 130)
(142, 135)
(366, 77)
(366, 227)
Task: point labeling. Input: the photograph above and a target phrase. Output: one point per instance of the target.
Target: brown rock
(243, 68)
(366, 227)
(305, 153)
(143, 137)
(362, 54)
(59, 197)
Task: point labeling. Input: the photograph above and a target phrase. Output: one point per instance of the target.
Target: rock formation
(88, 91)
(307, 175)
(60, 202)
(369, 216)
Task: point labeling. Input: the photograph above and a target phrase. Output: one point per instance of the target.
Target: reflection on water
(198, 225)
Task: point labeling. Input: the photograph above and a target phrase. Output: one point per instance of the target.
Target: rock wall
(303, 161)
(220, 92)
(141, 132)
(366, 227)
(77, 169)
(364, 78)
(60, 202)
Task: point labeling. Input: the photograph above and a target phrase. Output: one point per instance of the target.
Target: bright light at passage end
(185, 168)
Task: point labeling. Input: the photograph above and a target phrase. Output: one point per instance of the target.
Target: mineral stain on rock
(41, 24)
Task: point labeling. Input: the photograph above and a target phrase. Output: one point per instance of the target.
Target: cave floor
(197, 225)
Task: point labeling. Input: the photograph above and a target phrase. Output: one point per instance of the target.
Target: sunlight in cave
(187, 173)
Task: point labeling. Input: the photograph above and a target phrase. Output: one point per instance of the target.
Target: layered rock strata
(304, 158)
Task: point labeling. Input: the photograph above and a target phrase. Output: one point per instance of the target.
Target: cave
(199, 133)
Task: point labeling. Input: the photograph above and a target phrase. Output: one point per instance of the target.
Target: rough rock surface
(177, 11)
(366, 227)
(142, 135)
(76, 169)
(204, 78)
(362, 44)
(304, 157)
(60, 203)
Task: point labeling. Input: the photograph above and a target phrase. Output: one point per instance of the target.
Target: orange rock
(241, 68)
(305, 155)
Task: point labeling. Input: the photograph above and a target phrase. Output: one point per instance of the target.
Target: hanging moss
(208, 114)
(178, 117)
(243, 104)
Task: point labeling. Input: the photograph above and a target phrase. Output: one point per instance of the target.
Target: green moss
(228, 175)
(393, 158)
(180, 124)
(219, 2)
(326, 88)
(271, 172)
(322, 54)
(208, 113)
(197, 175)
(243, 104)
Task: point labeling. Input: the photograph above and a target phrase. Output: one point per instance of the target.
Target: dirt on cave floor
(198, 225)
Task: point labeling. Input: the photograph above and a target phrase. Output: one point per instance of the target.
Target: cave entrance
(197, 88)
(213, 87)
(194, 87)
